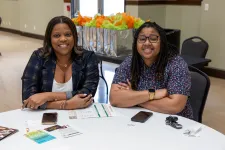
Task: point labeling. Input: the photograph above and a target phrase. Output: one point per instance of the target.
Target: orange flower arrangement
(120, 21)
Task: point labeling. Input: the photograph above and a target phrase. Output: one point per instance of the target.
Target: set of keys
(172, 121)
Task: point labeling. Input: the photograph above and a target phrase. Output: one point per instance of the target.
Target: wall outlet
(206, 7)
(6, 23)
(34, 27)
(25, 25)
(9, 23)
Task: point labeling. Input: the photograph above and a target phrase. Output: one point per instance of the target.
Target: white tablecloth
(115, 133)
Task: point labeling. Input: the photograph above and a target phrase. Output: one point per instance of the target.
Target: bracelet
(62, 105)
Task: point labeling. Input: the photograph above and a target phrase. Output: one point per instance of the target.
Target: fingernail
(85, 94)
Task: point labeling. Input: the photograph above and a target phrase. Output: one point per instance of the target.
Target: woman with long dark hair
(155, 77)
(60, 75)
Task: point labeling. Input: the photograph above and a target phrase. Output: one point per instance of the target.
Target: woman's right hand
(79, 101)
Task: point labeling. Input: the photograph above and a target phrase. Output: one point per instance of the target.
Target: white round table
(114, 133)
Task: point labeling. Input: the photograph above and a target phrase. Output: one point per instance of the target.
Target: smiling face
(148, 44)
(62, 39)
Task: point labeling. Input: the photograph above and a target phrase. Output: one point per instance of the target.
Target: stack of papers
(94, 111)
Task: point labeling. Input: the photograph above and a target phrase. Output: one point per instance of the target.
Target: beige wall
(185, 18)
(30, 12)
(10, 13)
(213, 31)
(133, 10)
(171, 16)
(156, 13)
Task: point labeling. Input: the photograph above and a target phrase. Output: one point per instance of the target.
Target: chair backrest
(195, 46)
(200, 85)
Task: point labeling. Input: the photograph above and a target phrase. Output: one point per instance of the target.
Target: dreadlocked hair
(167, 51)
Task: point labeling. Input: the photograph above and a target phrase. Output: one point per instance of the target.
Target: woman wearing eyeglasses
(155, 77)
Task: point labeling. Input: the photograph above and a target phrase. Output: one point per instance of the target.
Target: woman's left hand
(125, 86)
(35, 101)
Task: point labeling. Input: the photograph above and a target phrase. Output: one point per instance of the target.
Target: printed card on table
(5, 132)
(69, 132)
(39, 136)
(97, 110)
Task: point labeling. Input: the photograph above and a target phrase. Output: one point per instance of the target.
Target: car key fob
(176, 125)
(172, 121)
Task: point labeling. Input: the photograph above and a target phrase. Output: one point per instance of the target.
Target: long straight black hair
(47, 45)
(167, 51)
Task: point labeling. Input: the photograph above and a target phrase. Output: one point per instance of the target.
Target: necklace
(64, 65)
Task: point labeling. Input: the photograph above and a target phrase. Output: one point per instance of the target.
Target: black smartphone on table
(49, 118)
(141, 116)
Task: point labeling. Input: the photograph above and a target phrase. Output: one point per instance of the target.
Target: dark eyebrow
(149, 35)
(56, 32)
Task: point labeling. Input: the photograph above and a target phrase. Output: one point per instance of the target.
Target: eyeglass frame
(148, 37)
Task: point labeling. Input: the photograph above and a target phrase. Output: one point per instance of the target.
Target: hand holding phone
(49, 118)
(141, 116)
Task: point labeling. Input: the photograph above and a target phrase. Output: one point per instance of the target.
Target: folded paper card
(96, 110)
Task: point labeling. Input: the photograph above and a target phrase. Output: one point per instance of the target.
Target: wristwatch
(151, 93)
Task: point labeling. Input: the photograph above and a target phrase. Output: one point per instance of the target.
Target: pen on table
(97, 111)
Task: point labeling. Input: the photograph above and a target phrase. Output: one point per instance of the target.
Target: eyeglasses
(152, 38)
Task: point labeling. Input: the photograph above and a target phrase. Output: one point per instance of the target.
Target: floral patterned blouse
(177, 79)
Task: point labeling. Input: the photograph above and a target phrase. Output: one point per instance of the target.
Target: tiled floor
(16, 51)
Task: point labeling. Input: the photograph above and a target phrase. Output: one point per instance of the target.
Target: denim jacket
(39, 73)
